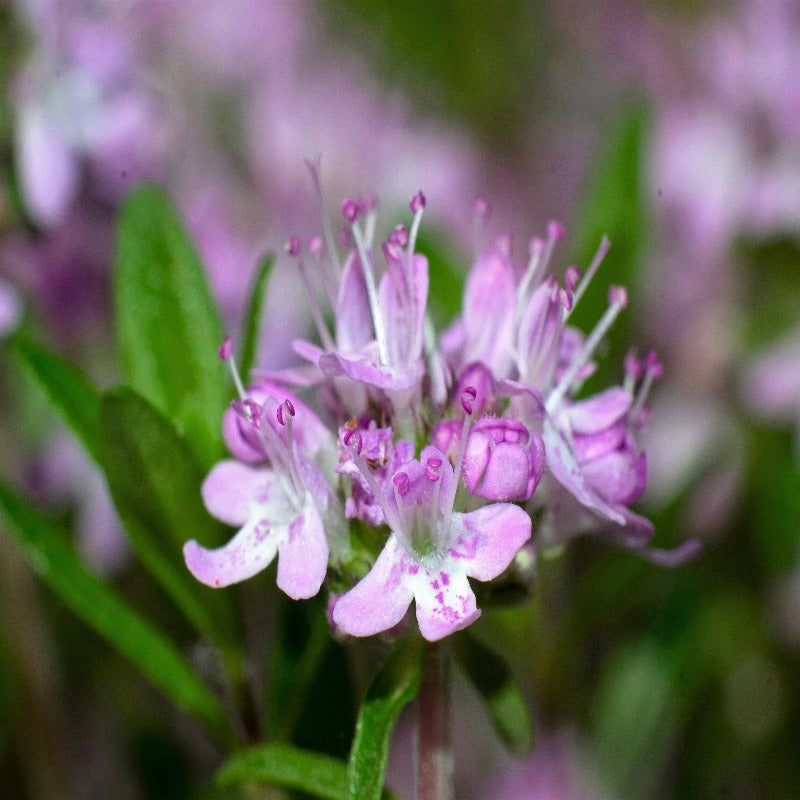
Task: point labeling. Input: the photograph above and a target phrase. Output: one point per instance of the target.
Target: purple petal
(230, 489)
(489, 305)
(303, 556)
(485, 541)
(445, 603)
(369, 372)
(250, 551)
(599, 412)
(619, 477)
(565, 469)
(379, 600)
(353, 317)
(308, 351)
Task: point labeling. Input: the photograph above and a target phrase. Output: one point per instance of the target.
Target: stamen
(350, 209)
(618, 299)
(249, 411)
(372, 293)
(333, 253)
(394, 522)
(226, 354)
(285, 413)
(592, 269)
(633, 370)
(315, 246)
(417, 206)
(535, 250)
(293, 248)
(402, 483)
(480, 209)
(652, 370)
(571, 277)
(469, 394)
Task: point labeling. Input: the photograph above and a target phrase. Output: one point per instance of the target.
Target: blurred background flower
(673, 128)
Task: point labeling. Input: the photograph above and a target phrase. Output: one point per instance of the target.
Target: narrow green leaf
(68, 389)
(395, 685)
(446, 273)
(253, 318)
(155, 482)
(287, 766)
(492, 677)
(614, 205)
(167, 326)
(54, 560)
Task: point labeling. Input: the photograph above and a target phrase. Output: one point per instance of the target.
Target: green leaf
(287, 766)
(68, 389)
(167, 327)
(155, 482)
(613, 205)
(254, 316)
(395, 685)
(55, 561)
(446, 273)
(492, 677)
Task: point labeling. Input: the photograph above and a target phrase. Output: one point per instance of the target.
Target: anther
(350, 209)
(432, 468)
(401, 481)
(571, 277)
(293, 246)
(555, 231)
(399, 235)
(315, 246)
(618, 296)
(249, 411)
(226, 348)
(467, 398)
(417, 202)
(653, 365)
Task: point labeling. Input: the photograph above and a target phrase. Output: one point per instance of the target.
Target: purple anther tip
(249, 411)
(226, 348)
(432, 468)
(367, 203)
(555, 230)
(417, 202)
(536, 247)
(467, 397)
(481, 207)
(565, 298)
(618, 296)
(315, 246)
(350, 209)
(571, 277)
(289, 406)
(400, 235)
(293, 246)
(654, 366)
(280, 415)
(633, 364)
(402, 483)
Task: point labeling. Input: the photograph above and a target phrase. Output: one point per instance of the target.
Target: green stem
(433, 743)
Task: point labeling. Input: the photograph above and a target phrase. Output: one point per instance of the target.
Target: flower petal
(231, 488)
(353, 317)
(380, 599)
(250, 551)
(445, 603)
(568, 473)
(485, 541)
(599, 412)
(303, 556)
(366, 371)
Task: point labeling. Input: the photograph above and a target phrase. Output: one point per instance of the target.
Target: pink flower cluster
(491, 407)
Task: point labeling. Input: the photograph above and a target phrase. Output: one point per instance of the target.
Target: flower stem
(434, 749)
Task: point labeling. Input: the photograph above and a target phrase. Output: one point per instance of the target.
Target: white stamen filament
(641, 396)
(412, 236)
(583, 285)
(527, 279)
(333, 253)
(237, 379)
(316, 313)
(369, 228)
(451, 495)
(589, 346)
(372, 294)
